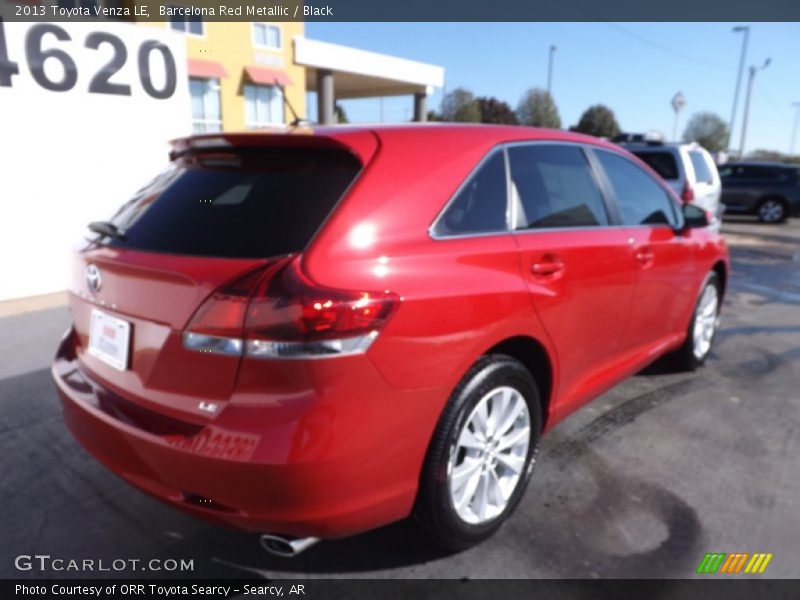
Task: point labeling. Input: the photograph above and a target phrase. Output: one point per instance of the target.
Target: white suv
(689, 169)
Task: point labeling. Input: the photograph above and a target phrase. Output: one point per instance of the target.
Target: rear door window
(702, 172)
(641, 199)
(251, 203)
(480, 205)
(663, 163)
(748, 172)
(555, 187)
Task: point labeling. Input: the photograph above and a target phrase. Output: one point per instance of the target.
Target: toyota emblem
(93, 278)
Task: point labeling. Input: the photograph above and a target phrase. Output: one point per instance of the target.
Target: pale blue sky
(634, 68)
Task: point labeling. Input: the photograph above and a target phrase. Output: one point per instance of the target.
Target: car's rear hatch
(224, 207)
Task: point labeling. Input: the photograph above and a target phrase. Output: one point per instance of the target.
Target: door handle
(644, 254)
(548, 265)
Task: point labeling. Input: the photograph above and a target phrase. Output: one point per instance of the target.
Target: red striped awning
(264, 76)
(206, 69)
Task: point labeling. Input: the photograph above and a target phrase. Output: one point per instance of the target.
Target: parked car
(316, 333)
(689, 170)
(771, 191)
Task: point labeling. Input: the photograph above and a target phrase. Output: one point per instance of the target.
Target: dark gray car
(771, 191)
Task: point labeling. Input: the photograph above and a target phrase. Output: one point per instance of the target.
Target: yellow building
(238, 72)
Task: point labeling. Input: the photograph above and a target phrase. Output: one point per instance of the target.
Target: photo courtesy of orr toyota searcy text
(158, 591)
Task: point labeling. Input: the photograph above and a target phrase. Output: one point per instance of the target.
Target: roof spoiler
(362, 144)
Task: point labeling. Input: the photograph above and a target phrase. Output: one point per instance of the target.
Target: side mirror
(694, 217)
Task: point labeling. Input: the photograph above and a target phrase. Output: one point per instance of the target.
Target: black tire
(434, 510)
(684, 358)
(772, 209)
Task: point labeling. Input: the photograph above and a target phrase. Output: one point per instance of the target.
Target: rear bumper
(298, 469)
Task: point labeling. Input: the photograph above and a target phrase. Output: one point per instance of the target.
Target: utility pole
(794, 127)
(553, 49)
(753, 71)
(746, 38)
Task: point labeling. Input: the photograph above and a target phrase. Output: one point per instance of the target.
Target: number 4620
(101, 82)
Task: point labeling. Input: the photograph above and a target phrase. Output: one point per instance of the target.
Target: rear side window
(747, 172)
(641, 199)
(242, 204)
(663, 163)
(480, 204)
(702, 172)
(554, 187)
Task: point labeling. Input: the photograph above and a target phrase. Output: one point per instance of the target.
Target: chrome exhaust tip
(285, 546)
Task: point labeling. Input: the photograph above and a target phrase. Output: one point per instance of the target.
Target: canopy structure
(264, 76)
(335, 71)
(207, 69)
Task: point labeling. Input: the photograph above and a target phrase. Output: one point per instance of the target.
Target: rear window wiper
(107, 229)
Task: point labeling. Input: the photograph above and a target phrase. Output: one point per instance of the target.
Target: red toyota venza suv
(316, 332)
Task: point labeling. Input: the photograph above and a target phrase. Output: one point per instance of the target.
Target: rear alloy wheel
(702, 328)
(488, 456)
(772, 210)
(481, 455)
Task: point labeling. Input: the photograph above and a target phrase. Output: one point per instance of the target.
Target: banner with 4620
(50, 42)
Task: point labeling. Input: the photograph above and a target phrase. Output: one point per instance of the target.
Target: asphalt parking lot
(640, 483)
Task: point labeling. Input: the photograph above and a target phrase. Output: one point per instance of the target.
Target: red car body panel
(336, 446)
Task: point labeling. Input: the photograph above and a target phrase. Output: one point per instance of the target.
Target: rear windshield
(701, 171)
(242, 204)
(662, 163)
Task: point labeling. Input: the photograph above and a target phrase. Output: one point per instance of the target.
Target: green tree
(460, 106)
(496, 111)
(708, 130)
(773, 155)
(598, 120)
(536, 108)
(341, 116)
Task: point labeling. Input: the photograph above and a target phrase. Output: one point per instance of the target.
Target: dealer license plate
(109, 339)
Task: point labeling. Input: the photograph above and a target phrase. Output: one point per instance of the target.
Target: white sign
(86, 111)
(678, 102)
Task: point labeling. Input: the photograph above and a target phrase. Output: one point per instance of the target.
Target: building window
(190, 25)
(263, 106)
(206, 116)
(267, 36)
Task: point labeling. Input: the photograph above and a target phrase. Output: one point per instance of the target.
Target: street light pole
(746, 31)
(550, 71)
(794, 127)
(678, 102)
(753, 71)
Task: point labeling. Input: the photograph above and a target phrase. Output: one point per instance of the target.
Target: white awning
(362, 74)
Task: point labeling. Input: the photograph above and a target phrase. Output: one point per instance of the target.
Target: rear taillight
(290, 316)
(687, 193)
(278, 312)
(218, 325)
